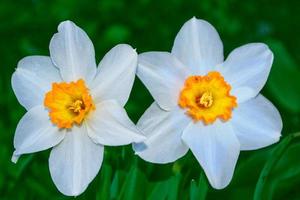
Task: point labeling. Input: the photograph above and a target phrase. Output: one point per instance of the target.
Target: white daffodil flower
(205, 104)
(73, 106)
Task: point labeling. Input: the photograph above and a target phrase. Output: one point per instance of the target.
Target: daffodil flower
(205, 104)
(73, 106)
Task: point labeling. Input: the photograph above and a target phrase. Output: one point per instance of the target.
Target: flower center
(76, 106)
(207, 98)
(68, 103)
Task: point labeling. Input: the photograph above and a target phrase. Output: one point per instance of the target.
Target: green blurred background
(26, 28)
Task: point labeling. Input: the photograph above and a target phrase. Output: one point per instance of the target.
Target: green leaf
(194, 191)
(270, 164)
(160, 191)
(284, 179)
(23, 163)
(103, 191)
(116, 184)
(174, 184)
(203, 186)
(251, 162)
(283, 81)
(167, 189)
(134, 185)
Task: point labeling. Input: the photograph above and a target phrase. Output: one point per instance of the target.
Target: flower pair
(202, 103)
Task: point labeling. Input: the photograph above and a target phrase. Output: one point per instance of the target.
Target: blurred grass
(26, 28)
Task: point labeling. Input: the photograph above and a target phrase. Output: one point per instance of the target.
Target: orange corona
(68, 103)
(207, 98)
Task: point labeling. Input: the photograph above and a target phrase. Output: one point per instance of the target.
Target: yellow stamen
(206, 100)
(76, 106)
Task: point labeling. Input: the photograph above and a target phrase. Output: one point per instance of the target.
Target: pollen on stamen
(205, 100)
(76, 106)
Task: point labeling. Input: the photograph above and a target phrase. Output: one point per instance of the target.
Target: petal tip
(277, 137)
(65, 24)
(15, 158)
(219, 184)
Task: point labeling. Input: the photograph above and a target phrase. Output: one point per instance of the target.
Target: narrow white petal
(110, 125)
(216, 149)
(75, 162)
(163, 130)
(198, 45)
(163, 75)
(35, 132)
(257, 123)
(115, 76)
(32, 79)
(246, 69)
(72, 52)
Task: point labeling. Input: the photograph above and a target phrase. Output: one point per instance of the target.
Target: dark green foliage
(26, 28)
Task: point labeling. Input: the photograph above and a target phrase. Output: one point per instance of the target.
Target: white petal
(216, 149)
(110, 125)
(163, 75)
(246, 69)
(256, 123)
(33, 78)
(75, 162)
(35, 132)
(163, 130)
(116, 73)
(198, 45)
(72, 52)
